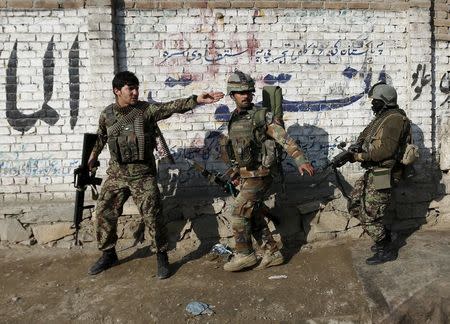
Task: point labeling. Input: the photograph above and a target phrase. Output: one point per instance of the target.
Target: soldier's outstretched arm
(165, 110)
(280, 136)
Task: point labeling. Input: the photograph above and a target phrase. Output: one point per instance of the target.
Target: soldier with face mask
(379, 148)
(252, 135)
(129, 127)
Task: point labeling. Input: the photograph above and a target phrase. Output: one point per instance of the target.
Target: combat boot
(379, 245)
(240, 261)
(163, 265)
(270, 259)
(107, 260)
(385, 253)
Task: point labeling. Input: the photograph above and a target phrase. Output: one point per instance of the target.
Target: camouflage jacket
(381, 138)
(152, 114)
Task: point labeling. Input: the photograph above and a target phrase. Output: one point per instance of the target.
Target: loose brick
(419, 4)
(242, 4)
(379, 6)
(20, 4)
(219, 4)
(171, 5)
(358, 5)
(46, 4)
(266, 4)
(195, 4)
(443, 37)
(146, 4)
(442, 22)
(73, 4)
(312, 5)
(335, 5)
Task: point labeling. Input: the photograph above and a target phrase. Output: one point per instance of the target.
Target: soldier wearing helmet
(379, 148)
(252, 136)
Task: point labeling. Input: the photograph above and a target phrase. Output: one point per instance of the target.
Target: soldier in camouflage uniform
(379, 148)
(252, 136)
(129, 127)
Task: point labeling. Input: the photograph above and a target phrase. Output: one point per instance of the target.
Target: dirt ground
(51, 285)
(325, 283)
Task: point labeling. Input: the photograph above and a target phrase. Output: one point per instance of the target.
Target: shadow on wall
(411, 199)
(195, 219)
(316, 206)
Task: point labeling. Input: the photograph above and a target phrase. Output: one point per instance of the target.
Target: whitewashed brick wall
(305, 50)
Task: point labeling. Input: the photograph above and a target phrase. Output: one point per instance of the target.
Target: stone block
(49, 213)
(11, 230)
(51, 232)
(324, 226)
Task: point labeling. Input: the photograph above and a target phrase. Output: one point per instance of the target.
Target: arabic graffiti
(24, 122)
(196, 55)
(272, 79)
(16, 119)
(74, 82)
(222, 112)
(445, 89)
(183, 81)
(37, 167)
(424, 79)
(290, 54)
(420, 73)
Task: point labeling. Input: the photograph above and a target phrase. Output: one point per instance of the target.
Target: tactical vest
(250, 147)
(129, 140)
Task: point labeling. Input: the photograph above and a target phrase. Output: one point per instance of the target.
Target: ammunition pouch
(381, 178)
(124, 146)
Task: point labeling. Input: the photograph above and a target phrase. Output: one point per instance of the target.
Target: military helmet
(239, 81)
(385, 93)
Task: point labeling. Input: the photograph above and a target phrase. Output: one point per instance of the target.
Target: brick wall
(57, 59)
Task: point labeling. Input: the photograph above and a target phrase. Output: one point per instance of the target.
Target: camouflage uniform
(381, 141)
(136, 179)
(249, 209)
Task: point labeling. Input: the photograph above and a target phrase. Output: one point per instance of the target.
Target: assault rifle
(215, 177)
(228, 186)
(82, 178)
(345, 156)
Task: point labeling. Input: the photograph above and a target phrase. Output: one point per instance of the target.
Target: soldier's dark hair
(124, 78)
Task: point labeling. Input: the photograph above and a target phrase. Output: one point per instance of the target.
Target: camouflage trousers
(248, 215)
(369, 206)
(114, 193)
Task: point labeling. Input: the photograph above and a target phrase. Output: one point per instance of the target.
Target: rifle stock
(214, 177)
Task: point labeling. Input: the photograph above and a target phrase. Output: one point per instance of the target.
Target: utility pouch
(381, 178)
(411, 154)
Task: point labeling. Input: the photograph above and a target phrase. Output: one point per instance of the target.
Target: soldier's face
(127, 95)
(377, 106)
(243, 99)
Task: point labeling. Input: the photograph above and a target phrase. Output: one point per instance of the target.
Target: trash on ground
(221, 249)
(278, 277)
(199, 308)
